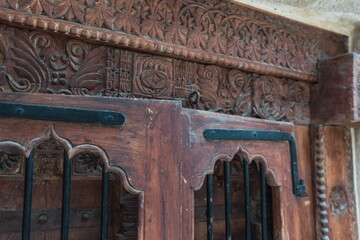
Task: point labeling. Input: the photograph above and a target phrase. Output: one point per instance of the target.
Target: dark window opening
(239, 225)
(47, 203)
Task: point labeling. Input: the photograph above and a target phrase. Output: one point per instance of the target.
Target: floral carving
(279, 99)
(35, 62)
(235, 91)
(99, 13)
(87, 163)
(10, 161)
(28, 72)
(219, 27)
(88, 79)
(208, 80)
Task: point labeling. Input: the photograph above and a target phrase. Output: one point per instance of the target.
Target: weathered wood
(339, 183)
(233, 36)
(149, 158)
(336, 97)
(288, 210)
(216, 56)
(69, 66)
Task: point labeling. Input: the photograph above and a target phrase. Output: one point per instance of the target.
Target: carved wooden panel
(222, 32)
(85, 214)
(11, 161)
(38, 62)
(146, 160)
(336, 98)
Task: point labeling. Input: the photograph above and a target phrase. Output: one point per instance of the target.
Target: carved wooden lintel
(336, 97)
(216, 32)
(32, 61)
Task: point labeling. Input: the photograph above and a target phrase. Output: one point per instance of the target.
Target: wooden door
(143, 163)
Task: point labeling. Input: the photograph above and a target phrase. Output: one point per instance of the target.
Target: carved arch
(271, 178)
(72, 151)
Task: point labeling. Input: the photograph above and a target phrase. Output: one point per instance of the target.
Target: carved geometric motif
(153, 76)
(119, 73)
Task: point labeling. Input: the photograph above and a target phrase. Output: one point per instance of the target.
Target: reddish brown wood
(339, 186)
(216, 56)
(336, 97)
(232, 35)
(289, 211)
(63, 65)
(150, 167)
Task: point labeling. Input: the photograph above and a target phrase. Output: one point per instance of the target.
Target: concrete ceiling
(341, 16)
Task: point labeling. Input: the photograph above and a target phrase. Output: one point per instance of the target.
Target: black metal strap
(61, 113)
(299, 188)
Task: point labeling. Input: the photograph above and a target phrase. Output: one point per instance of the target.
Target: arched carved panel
(240, 152)
(49, 149)
(87, 169)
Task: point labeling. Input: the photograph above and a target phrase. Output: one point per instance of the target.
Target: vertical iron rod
(65, 210)
(263, 203)
(26, 218)
(104, 203)
(227, 200)
(209, 202)
(247, 199)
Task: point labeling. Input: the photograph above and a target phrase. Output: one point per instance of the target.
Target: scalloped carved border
(270, 174)
(72, 151)
(304, 70)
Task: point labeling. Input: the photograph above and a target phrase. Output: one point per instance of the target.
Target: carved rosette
(153, 76)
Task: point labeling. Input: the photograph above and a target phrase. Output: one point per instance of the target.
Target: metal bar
(26, 218)
(247, 200)
(104, 204)
(227, 200)
(65, 209)
(61, 113)
(236, 134)
(209, 202)
(263, 203)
